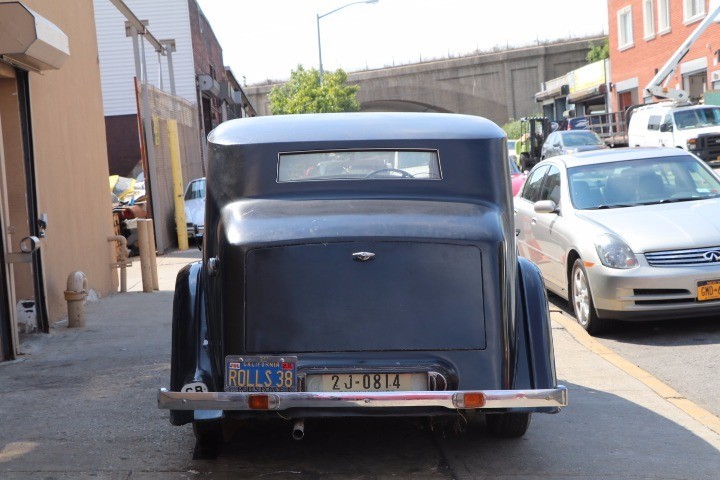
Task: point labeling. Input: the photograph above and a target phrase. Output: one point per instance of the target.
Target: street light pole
(318, 28)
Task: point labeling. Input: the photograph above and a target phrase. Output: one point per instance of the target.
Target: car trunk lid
(364, 296)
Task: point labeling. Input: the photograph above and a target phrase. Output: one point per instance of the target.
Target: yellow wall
(71, 158)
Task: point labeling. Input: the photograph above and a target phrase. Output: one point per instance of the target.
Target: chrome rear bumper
(546, 398)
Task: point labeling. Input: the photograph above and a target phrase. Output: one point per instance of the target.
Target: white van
(695, 128)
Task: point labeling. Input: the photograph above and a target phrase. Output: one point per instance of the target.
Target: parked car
(571, 141)
(626, 234)
(517, 178)
(577, 123)
(359, 265)
(195, 208)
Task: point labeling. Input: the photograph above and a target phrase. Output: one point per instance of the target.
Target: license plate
(366, 382)
(709, 290)
(260, 374)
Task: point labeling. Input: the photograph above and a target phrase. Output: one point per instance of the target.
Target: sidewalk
(81, 404)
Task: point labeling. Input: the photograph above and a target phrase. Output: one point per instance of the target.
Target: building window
(649, 18)
(693, 10)
(625, 28)
(663, 16)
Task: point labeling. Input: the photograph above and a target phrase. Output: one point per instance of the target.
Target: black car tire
(508, 425)
(581, 300)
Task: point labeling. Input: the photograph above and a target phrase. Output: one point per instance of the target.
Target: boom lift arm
(656, 87)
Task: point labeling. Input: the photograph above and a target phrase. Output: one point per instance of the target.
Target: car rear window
(359, 165)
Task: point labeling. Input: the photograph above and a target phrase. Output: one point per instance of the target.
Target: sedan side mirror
(546, 206)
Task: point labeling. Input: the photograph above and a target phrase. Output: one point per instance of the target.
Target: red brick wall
(646, 56)
(207, 54)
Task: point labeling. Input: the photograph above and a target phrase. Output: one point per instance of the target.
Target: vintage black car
(356, 265)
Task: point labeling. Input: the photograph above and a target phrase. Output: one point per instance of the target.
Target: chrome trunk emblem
(363, 256)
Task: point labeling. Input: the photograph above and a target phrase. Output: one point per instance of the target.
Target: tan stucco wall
(71, 157)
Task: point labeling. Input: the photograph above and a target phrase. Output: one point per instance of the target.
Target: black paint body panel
(445, 291)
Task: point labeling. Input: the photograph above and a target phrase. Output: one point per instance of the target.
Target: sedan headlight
(614, 253)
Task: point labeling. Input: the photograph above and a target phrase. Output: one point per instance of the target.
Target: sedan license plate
(709, 290)
(260, 374)
(366, 382)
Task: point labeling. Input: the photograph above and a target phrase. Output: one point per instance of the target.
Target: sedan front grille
(685, 258)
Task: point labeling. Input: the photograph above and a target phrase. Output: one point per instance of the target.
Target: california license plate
(366, 382)
(260, 374)
(709, 290)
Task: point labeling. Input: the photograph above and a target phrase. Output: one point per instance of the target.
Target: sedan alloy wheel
(581, 300)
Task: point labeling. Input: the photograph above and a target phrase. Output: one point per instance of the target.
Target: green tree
(512, 128)
(306, 93)
(598, 52)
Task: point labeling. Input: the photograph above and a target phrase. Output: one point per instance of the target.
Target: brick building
(643, 34)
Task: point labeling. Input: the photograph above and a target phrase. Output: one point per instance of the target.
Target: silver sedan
(627, 234)
(195, 208)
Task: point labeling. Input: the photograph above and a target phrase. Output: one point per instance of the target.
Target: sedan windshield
(195, 190)
(643, 181)
(697, 118)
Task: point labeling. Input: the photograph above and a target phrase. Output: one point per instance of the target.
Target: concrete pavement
(80, 403)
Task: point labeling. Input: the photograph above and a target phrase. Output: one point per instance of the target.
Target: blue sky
(266, 39)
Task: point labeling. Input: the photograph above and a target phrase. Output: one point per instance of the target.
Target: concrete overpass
(498, 85)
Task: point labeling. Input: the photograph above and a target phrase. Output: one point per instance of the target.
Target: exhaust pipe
(299, 429)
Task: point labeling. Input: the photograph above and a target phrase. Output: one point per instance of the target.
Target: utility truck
(674, 121)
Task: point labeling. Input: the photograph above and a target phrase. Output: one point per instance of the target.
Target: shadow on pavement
(599, 435)
(82, 404)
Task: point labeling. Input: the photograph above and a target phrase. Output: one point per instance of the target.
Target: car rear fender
(190, 360)
(535, 358)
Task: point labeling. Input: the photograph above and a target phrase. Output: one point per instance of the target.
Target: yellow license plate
(709, 290)
(366, 382)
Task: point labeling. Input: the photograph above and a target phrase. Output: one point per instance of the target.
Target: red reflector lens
(259, 402)
(474, 400)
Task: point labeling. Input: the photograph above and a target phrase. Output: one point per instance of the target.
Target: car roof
(615, 155)
(673, 106)
(361, 126)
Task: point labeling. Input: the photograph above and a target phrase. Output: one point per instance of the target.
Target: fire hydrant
(75, 295)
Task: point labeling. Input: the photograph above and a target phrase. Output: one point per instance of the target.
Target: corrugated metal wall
(169, 19)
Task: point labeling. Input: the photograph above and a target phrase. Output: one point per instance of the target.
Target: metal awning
(29, 40)
(559, 91)
(587, 94)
